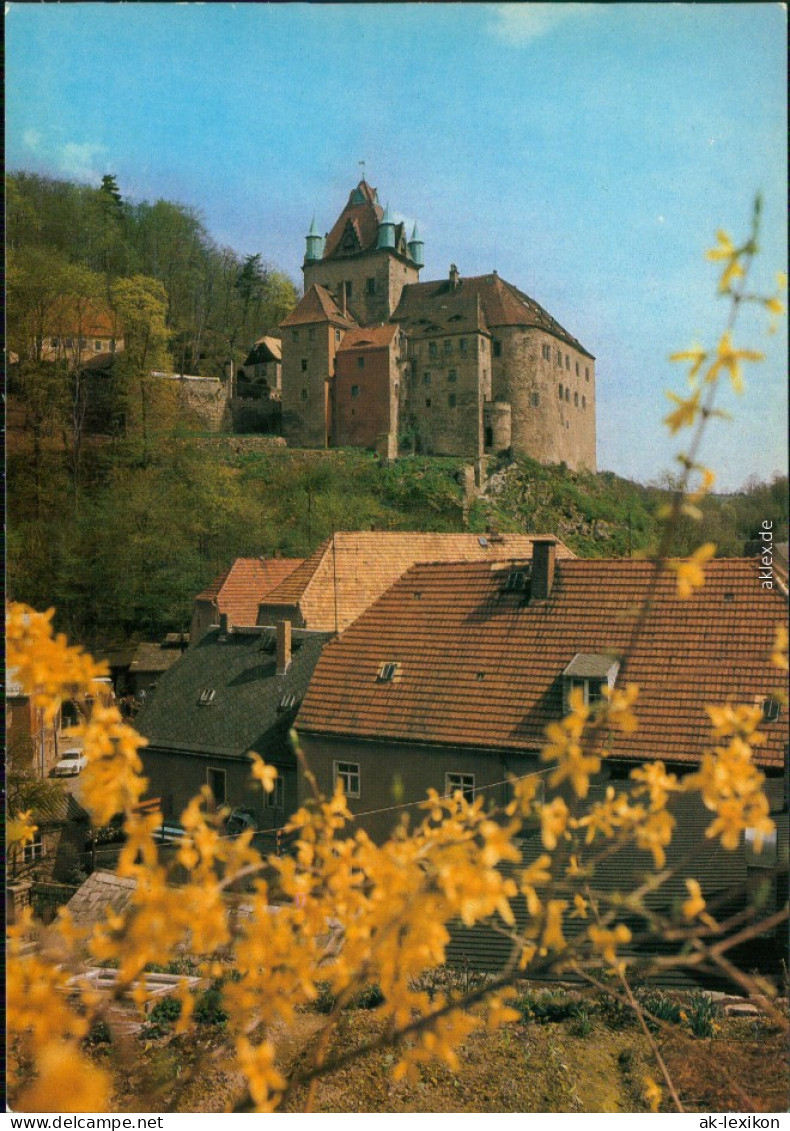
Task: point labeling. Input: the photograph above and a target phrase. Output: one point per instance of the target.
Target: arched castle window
(561, 392)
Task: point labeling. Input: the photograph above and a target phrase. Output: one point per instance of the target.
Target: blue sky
(587, 152)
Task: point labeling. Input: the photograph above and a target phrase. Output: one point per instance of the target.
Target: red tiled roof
(480, 667)
(375, 337)
(364, 217)
(239, 590)
(502, 305)
(317, 306)
(344, 576)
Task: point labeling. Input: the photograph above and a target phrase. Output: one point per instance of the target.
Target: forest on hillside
(73, 239)
(120, 529)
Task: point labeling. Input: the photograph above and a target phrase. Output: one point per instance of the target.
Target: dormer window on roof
(206, 696)
(387, 672)
(287, 702)
(771, 708)
(590, 673)
(516, 580)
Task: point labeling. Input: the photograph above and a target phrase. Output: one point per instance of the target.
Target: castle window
(432, 349)
(354, 392)
(577, 369)
(54, 343)
(561, 391)
(427, 402)
(276, 799)
(360, 363)
(97, 346)
(576, 399)
(559, 358)
(294, 335)
(33, 850)
(311, 334)
(337, 335)
(497, 348)
(304, 365)
(584, 402)
(304, 394)
(452, 376)
(463, 345)
(567, 394)
(349, 288)
(426, 377)
(534, 399)
(215, 780)
(586, 373)
(567, 362)
(451, 400)
(69, 343)
(448, 345)
(371, 286)
(546, 351)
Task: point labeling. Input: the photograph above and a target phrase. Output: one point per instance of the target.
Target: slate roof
(155, 657)
(101, 892)
(239, 590)
(502, 304)
(344, 575)
(446, 311)
(244, 713)
(481, 667)
(317, 306)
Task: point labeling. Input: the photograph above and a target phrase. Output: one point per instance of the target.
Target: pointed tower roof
(313, 229)
(365, 213)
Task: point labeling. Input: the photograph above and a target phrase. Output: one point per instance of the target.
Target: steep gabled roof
(480, 667)
(267, 348)
(245, 711)
(502, 305)
(345, 574)
(317, 306)
(363, 212)
(240, 589)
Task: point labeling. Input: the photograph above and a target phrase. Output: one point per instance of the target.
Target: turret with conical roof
(315, 244)
(417, 247)
(386, 236)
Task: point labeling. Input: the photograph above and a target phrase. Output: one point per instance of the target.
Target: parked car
(72, 763)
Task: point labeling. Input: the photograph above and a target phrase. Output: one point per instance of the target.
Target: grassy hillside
(126, 554)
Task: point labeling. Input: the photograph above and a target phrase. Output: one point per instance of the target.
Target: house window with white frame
(34, 849)
(348, 774)
(455, 782)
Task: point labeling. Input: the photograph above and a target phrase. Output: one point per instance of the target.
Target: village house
(450, 678)
(235, 692)
(79, 330)
(350, 570)
(466, 366)
(238, 592)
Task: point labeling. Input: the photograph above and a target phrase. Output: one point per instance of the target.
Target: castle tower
(417, 248)
(365, 260)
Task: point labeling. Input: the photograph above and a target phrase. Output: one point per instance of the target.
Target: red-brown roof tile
(364, 217)
(239, 590)
(373, 337)
(502, 305)
(348, 572)
(317, 306)
(481, 667)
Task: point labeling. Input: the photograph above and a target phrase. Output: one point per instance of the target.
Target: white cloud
(520, 23)
(82, 160)
(32, 140)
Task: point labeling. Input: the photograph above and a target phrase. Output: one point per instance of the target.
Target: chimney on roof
(223, 623)
(343, 299)
(455, 278)
(543, 561)
(283, 646)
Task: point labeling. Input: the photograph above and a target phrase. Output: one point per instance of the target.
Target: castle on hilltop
(374, 358)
